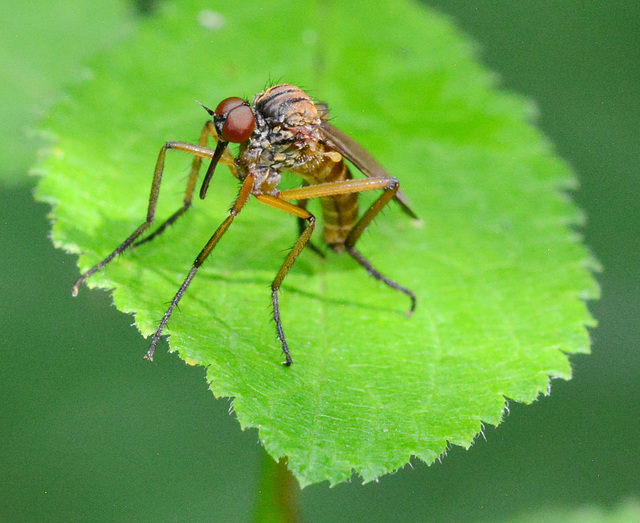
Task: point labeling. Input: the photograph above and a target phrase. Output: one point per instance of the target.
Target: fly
(283, 130)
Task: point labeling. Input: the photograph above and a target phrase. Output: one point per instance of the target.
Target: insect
(283, 130)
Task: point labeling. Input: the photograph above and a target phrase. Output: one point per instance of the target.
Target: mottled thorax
(285, 138)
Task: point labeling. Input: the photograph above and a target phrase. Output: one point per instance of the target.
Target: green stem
(277, 501)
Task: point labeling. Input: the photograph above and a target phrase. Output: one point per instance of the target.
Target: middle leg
(301, 213)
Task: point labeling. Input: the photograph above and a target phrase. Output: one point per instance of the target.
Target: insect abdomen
(340, 212)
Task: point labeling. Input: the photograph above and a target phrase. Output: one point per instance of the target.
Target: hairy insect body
(287, 138)
(283, 130)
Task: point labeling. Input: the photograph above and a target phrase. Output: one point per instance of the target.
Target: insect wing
(361, 158)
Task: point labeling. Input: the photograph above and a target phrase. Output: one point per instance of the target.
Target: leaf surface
(499, 273)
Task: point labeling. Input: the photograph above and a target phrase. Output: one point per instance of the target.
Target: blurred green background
(90, 431)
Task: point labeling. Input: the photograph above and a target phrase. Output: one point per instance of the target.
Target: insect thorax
(286, 136)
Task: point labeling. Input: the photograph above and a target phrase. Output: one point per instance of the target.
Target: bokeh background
(90, 431)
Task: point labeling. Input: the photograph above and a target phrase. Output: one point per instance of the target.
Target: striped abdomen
(290, 105)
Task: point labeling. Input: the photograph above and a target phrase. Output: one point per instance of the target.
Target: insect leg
(355, 254)
(358, 229)
(306, 192)
(207, 131)
(302, 213)
(241, 200)
(196, 150)
(390, 186)
(302, 225)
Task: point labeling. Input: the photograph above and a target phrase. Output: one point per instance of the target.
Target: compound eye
(238, 119)
(227, 104)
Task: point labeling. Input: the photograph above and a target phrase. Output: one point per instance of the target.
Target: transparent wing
(358, 156)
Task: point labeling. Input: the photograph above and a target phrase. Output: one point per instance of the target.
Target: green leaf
(499, 273)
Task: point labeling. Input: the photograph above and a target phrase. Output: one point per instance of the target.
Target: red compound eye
(238, 119)
(227, 104)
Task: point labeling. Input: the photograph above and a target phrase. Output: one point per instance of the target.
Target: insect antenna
(210, 111)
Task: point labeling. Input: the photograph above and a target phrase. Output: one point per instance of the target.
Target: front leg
(199, 152)
(208, 130)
